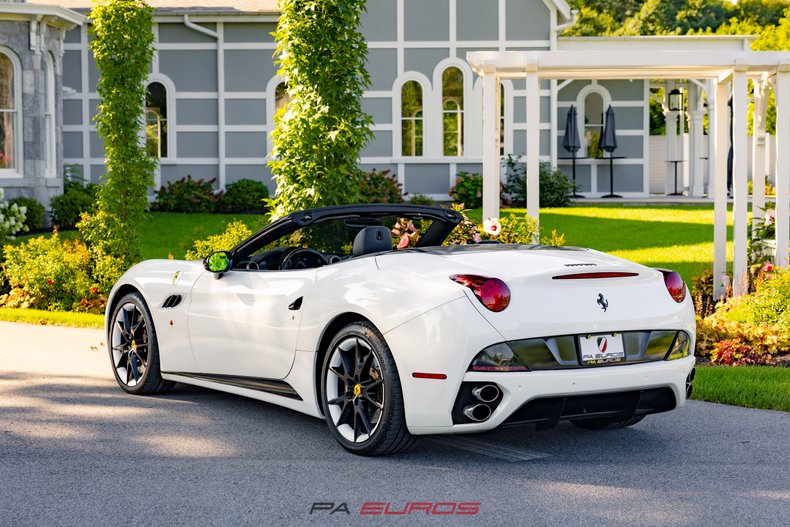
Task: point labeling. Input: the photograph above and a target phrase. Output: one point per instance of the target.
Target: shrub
(763, 339)
(245, 195)
(735, 352)
(234, 233)
(76, 199)
(50, 273)
(468, 190)
(34, 212)
(421, 199)
(187, 195)
(378, 186)
(769, 304)
(104, 242)
(556, 189)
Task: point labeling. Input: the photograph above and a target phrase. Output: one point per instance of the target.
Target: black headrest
(372, 240)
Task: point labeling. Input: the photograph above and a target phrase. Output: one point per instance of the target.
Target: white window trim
(172, 121)
(437, 128)
(427, 112)
(271, 92)
(581, 97)
(50, 117)
(18, 171)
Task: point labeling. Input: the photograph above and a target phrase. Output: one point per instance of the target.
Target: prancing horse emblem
(604, 303)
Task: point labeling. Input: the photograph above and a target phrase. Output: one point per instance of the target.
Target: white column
(221, 105)
(758, 153)
(711, 173)
(782, 95)
(697, 178)
(740, 103)
(491, 177)
(671, 121)
(533, 141)
(718, 157)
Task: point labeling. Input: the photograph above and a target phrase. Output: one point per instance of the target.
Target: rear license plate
(602, 349)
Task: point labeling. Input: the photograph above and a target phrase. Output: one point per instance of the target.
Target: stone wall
(15, 36)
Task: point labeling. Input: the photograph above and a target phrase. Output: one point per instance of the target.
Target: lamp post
(676, 100)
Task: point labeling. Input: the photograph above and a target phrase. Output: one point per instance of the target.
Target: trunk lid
(543, 305)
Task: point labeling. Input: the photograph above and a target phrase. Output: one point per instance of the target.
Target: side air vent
(171, 301)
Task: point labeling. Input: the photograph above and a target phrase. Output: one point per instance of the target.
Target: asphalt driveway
(76, 450)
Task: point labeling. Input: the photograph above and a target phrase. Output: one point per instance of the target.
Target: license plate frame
(601, 348)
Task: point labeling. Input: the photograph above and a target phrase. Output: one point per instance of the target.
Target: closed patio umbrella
(571, 142)
(608, 143)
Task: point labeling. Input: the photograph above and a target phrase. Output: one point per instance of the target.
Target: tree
(123, 49)
(318, 137)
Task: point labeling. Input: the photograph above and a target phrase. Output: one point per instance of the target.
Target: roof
(213, 6)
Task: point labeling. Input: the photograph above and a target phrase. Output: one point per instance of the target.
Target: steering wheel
(292, 259)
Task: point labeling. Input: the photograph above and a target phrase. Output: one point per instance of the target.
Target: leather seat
(372, 240)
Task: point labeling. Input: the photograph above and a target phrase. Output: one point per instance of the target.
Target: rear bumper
(520, 388)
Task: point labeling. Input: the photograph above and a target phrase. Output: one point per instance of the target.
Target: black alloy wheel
(361, 397)
(134, 350)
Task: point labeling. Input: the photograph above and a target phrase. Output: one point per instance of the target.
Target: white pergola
(724, 73)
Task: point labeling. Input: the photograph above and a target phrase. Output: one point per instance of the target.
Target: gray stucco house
(214, 89)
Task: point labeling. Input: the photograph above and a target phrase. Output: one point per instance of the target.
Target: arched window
(453, 111)
(411, 119)
(10, 125)
(156, 120)
(49, 116)
(281, 97)
(593, 122)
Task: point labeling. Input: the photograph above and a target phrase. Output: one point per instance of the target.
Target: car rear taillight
(675, 285)
(493, 293)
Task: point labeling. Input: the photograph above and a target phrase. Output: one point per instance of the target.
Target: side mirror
(218, 262)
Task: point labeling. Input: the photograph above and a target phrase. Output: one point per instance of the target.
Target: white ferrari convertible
(321, 313)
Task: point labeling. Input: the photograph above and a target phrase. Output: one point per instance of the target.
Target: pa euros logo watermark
(390, 509)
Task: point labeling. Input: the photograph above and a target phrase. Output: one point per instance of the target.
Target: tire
(605, 423)
(361, 393)
(135, 361)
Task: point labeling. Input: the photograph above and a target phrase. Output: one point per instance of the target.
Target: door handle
(296, 304)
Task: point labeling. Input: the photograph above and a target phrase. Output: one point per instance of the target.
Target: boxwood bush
(76, 199)
(245, 195)
(187, 195)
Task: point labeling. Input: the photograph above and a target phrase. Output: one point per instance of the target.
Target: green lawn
(750, 386)
(678, 237)
(167, 233)
(52, 318)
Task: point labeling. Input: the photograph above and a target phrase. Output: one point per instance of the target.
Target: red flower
(50, 282)
(94, 290)
(768, 267)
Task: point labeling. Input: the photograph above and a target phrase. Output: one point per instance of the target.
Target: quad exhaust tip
(689, 389)
(487, 393)
(691, 376)
(477, 412)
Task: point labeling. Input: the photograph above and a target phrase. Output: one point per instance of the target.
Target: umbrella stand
(573, 164)
(611, 178)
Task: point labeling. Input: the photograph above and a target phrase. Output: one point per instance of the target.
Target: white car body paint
(240, 324)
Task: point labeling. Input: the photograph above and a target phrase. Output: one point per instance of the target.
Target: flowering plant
(509, 229)
(12, 218)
